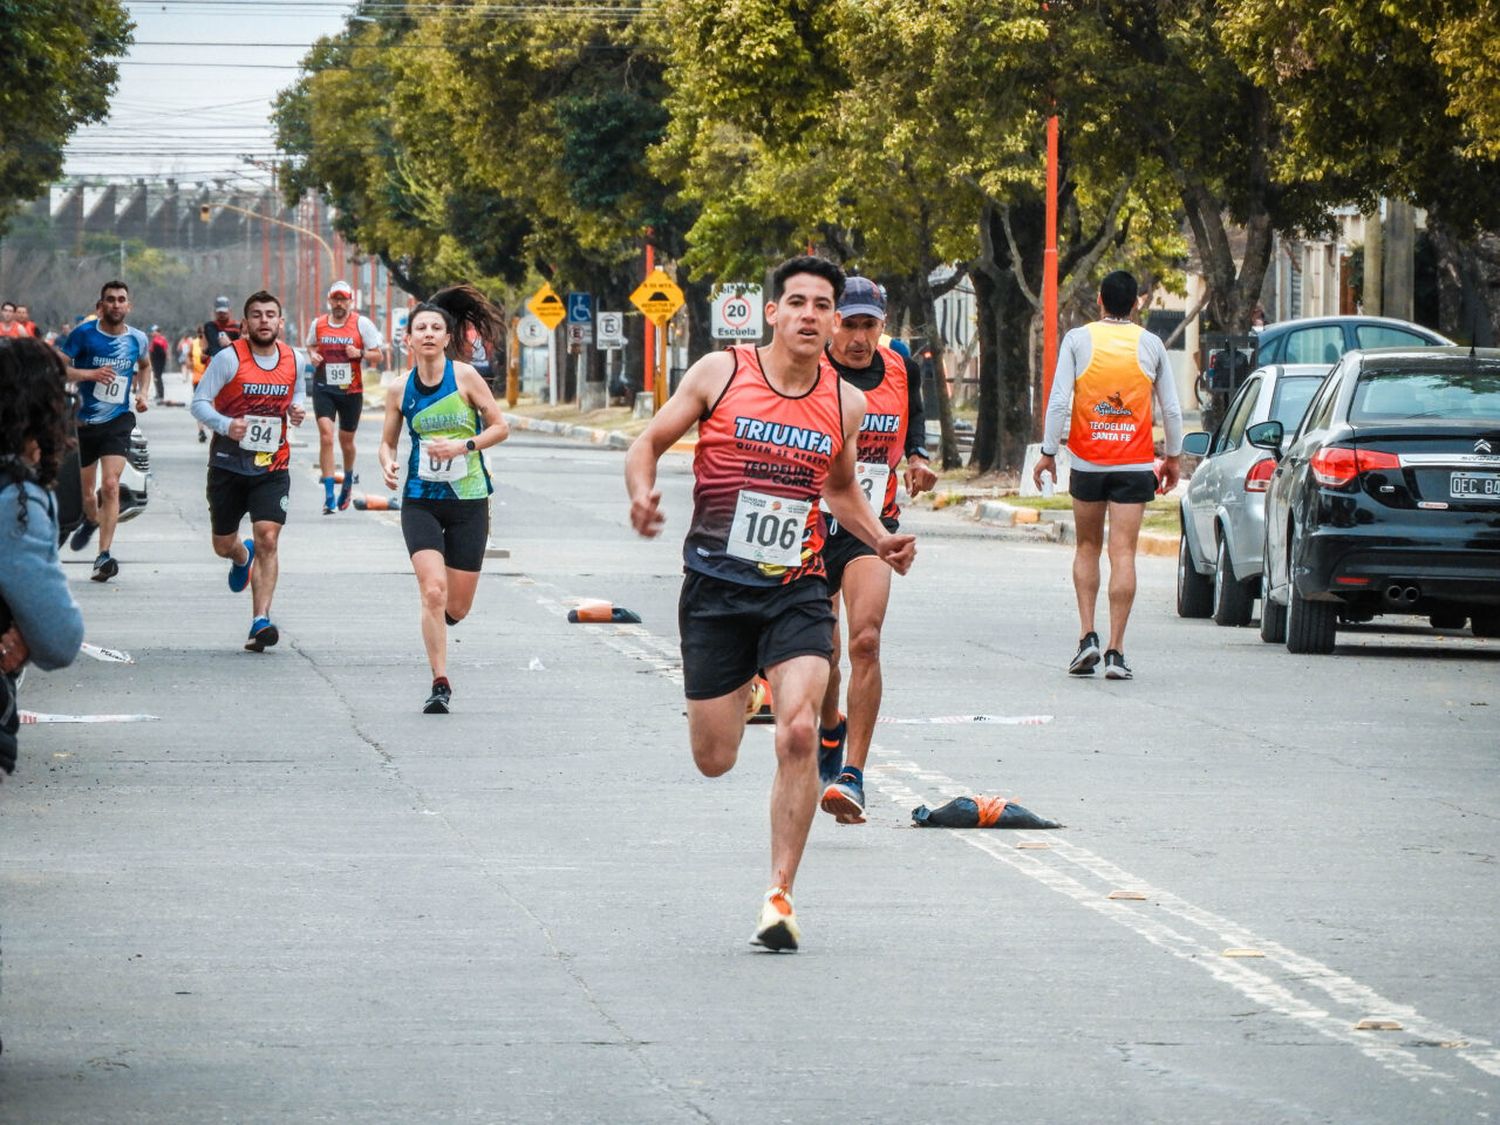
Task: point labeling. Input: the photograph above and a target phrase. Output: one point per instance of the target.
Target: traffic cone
(602, 613)
(364, 502)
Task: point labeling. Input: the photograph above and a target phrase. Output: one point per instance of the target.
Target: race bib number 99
(434, 468)
(338, 374)
(262, 433)
(114, 391)
(768, 529)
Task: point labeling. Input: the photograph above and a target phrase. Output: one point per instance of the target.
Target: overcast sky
(195, 91)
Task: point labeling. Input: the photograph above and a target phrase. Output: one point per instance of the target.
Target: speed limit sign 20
(736, 313)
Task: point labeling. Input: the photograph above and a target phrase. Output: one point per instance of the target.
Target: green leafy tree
(56, 74)
(1385, 99)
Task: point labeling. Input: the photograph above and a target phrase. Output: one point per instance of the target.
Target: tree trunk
(1465, 314)
(925, 302)
(1004, 427)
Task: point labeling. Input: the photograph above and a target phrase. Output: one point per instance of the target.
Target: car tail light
(1258, 479)
(1337, 466)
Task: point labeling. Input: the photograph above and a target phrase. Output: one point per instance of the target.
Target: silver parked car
(1223, 509)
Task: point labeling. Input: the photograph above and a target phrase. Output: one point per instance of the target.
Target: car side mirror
(1266, 435)
(1196, 443)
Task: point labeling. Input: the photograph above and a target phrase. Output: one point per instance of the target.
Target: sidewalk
(985, 517)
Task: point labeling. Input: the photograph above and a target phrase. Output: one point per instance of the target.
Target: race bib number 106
(768, 529)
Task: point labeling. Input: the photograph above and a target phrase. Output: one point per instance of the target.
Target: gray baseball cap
(861, 297)
(221, 303)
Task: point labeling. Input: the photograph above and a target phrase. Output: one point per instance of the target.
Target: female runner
(450, 417)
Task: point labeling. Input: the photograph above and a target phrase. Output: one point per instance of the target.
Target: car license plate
(1471, 486)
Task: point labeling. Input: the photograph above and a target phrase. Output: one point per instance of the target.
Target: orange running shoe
(758, 706)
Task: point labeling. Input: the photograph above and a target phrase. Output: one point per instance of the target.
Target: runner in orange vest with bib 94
(1111, 370)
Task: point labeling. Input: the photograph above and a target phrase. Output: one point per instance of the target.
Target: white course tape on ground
(31, 717)
(1290, 984)
(953, 720)
(107, 655)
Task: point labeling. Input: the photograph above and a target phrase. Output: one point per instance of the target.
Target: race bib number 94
(434, 468)
(339, 374)
(768, 529)
(262, 433)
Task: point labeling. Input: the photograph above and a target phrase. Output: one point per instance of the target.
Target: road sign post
(548, 307)
(658, 298)
(736, 313)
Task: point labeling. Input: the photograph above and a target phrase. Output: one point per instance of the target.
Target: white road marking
(1355, 1000)
(1190, 933)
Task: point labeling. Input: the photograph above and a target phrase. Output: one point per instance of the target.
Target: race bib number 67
(768, 529)
(434, 468)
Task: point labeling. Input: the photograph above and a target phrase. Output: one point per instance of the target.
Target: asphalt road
(295, 898)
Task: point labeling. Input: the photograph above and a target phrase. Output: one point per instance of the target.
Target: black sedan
(1387, 499)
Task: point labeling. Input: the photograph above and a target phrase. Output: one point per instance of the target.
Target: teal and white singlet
(441, 412)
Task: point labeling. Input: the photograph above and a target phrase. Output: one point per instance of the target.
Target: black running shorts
(1132, 486)
(842, 547)
(459, 530)
(731, 631)
(232, 496)
(336, 404)
(107, 439)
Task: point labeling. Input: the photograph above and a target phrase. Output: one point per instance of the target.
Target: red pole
(317, 259)
(386, 329)
(280, 264)
(265, 246)
(649, 384)
(1049, 268)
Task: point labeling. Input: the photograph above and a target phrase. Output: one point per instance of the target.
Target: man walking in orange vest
(1110, 370)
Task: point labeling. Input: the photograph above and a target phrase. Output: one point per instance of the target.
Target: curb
(1057, 526)
(563, 429)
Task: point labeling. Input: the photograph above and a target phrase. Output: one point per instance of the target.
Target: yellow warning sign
(547, 306)
(658, 297)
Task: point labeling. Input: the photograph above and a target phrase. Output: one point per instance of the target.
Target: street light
(205, 212)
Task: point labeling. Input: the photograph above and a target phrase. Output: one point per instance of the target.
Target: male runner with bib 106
(777, 428)
(249, 393)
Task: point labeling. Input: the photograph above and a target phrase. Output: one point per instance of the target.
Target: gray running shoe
(1087, 656)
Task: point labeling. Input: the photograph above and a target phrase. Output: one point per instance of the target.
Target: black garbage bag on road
(980, 812)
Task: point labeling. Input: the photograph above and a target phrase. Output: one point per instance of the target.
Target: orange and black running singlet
(761, 463)
(341, 349)
(262, 398)
(882, 436)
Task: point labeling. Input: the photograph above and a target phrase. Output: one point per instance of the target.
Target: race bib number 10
(768, 529)
(114, 391)
(434, 468)
(262, 433)
(339, 374)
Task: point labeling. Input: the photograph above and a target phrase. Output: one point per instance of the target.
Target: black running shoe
(1115, 667)
(437, 702)
(1087, 656)
(105, 567)
(82, 534)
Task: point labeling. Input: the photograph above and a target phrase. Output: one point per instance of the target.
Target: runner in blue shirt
(108, 360)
